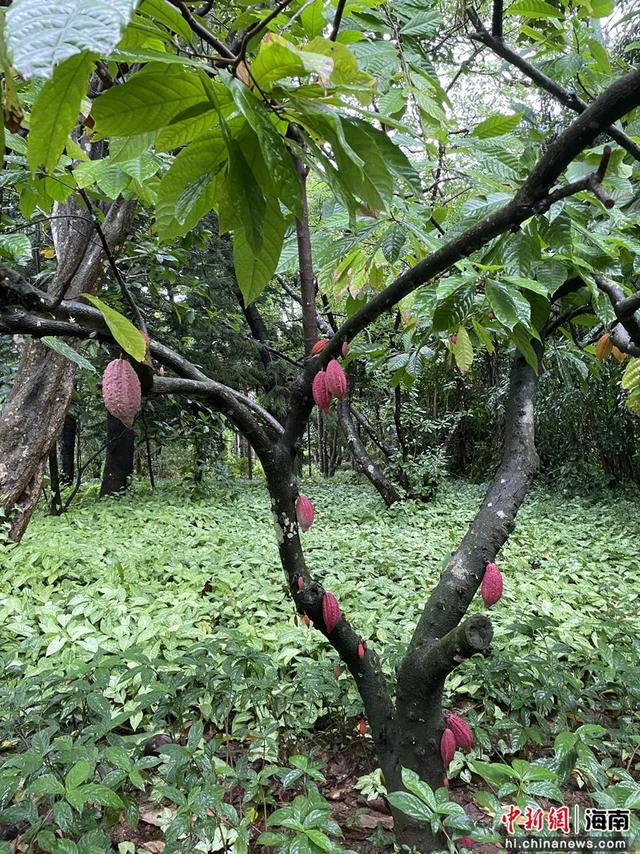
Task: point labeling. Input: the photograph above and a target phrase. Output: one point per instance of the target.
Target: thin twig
(335, 29)
(203, 32)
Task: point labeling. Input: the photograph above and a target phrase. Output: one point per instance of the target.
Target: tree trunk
(118, 466)
(33, 413)
(55, 506)
(363, 461)
(68, 450)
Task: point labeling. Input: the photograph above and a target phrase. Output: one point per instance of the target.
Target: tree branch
(564, 96)
(626, 318)
(337, 20)
(620, 98)
(203, 32)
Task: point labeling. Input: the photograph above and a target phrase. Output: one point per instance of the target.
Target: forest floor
(168, 613)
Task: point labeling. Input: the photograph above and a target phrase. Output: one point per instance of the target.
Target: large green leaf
(254, 269)
(278, 59)
(508, 304)
(149, 100)
(55, 111)
(533, 9)
(275, 153)
(242, 203)
(41, 34)
(123, 331)
(497, 125)
(462, 349)
(197, 165)
(168, 16)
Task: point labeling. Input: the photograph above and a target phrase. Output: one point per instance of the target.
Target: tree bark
(34, 410)
(55, 506)
(118, 466)
(371, 471)
(68, 450)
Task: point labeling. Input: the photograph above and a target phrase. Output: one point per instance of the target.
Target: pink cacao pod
(121, 391)
(336, 380)
(465, 842)
(447, 747)
(330, 612)
(345, 349)
(319, 346)
(305, 513)
(300, 582)
(361, 650)
(491, 587)
(462, 732)
(321, 393)
(307, 621)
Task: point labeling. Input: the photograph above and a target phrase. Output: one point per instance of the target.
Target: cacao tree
(508, 228)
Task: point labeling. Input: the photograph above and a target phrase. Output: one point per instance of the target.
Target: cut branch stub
(470, 637)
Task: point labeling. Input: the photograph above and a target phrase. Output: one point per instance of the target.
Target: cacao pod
(618, 354)
(604, 347)
(121, 391)
(337, 670)
(447, 747)
(307, 621)
(305, 513)
(336, 380)
(362, 726)
(492, 586)
(319, 346)
(300, 582)
(361, 650)
(465, 842)
(460, 728)
(330, 612)
(453, 339)
(445, 782)
(321, 393)
(345, 349)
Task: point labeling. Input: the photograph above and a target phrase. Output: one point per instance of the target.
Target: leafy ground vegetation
(158, 694)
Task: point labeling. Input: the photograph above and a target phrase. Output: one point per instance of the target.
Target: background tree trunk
(34, 411)
(118, 465)
(383, 485)
(68, 450)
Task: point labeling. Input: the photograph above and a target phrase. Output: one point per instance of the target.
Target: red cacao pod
(345, 349)
(445, 782)
(491, 587)
(321, 393)
(453, 339)
(336, 380)
(330, 612)
(121, 391)
(337, 670)
(362, 726)
(307, 621)
(305, 513)
(447, 747)
(460, 728)
(465, 842)
(300, 582)
(319, 346)
(361, 650)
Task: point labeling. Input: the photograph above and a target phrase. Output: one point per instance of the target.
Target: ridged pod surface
(492, 586)
(321, 393)
(447, 747)
(336, 379)
(330, 612)
(319, 346)
(462, 732)
(121, 391)
(305, 514)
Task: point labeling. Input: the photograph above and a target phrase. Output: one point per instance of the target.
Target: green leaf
(242, 203)
(497, 125)
(55, 111)
(277, 59)
(169, 17)
(410, 805)
(533, 9)
(198, 164)
(41, 34)
(522, 339)
(254, 269)
(425, 23)
(453, 309)
(313, 19)
(15, 247)
(123, 331)
(150, 99)
(46, 785)
(65, 350)
(96, 793)
(462, 350)
(78, 774)
(422, 790)
(508, 305)
(275, 153)
(483, 335)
